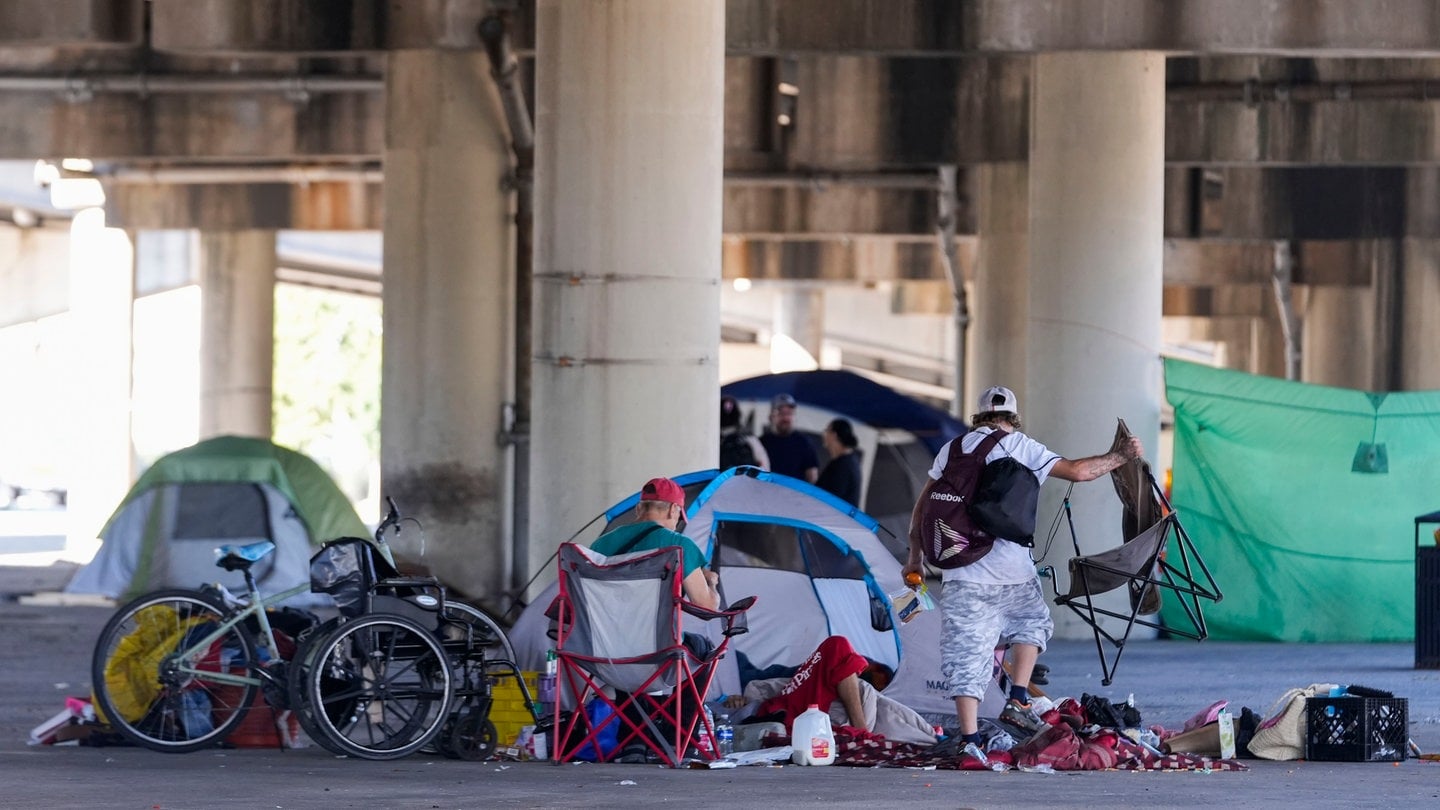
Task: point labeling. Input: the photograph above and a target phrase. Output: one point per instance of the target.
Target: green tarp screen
(1302, 500)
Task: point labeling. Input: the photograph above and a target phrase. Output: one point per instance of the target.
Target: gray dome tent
(229, 489)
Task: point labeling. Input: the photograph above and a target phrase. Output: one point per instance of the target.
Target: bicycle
(176, 670)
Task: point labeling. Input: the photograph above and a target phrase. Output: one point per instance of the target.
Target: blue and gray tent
(817, 567)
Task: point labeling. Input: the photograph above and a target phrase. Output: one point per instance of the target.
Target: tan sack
(1281, 735)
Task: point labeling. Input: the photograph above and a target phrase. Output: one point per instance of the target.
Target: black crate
(1356, 729)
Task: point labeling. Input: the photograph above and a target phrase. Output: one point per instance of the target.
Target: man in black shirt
(790, 452)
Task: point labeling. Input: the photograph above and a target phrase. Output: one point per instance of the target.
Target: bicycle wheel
(138, 679)
(306, 649)
(379, 687)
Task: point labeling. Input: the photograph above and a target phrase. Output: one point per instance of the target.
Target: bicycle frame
(256, 606)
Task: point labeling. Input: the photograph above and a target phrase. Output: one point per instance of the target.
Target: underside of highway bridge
(1048, 185)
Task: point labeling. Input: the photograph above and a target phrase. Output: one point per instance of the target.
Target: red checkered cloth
(1060, 748)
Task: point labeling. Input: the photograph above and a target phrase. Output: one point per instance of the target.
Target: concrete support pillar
(629, 162)
(447, 314)
(97, 426)
(1338, 337)
(1419, 328)
(999, 311)
(1097, 131)
(799, 326)
(237, 332)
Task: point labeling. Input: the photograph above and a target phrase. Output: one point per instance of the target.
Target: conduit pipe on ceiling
(946, 222)
(83, 87)
(504, 69)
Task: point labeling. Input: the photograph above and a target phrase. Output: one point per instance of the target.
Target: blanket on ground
(869, 751)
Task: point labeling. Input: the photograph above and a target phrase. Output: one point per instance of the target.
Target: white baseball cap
(998, 398)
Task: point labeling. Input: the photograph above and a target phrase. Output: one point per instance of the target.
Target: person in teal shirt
(662, 504)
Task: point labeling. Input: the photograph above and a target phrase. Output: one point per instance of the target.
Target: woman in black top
(841, 476)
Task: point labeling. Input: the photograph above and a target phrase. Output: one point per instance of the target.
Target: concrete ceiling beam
(193, 127)
(956, 27)
(1211, 263)
(69, 23)
(327, 27)
(323, 206)
(836, 209)
(295, 26)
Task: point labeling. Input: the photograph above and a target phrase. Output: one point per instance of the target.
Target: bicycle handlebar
(392, 518)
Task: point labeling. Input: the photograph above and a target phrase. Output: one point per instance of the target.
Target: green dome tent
(229, 489)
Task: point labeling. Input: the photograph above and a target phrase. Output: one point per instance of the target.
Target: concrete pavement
(48, 651)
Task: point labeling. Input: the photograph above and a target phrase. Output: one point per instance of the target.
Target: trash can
(1427, 597)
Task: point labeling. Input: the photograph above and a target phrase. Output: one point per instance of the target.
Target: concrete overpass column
(237, 332)
(1097, 131)
(999, 326)
(799, 323)
(629, 162)
(97, 429)
(1419, 328)
(1338, 337)
(447, 313)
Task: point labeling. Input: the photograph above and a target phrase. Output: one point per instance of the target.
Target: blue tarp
(855, 397)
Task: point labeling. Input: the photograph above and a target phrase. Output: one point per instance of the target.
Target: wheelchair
(402, 666)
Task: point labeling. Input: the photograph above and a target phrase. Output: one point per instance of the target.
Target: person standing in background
(841, 477)
(790, 452)
(737, 446)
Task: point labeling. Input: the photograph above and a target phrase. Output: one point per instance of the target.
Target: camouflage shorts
(976, 618)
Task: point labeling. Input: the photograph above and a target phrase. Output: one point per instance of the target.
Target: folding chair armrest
(734, 615)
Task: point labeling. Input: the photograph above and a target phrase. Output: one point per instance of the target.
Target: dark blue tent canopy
(855, 397)
(1433, 517)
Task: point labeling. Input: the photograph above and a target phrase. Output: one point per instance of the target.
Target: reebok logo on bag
(949, 535)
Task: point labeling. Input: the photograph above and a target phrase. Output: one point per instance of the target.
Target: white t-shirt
(1007, 563)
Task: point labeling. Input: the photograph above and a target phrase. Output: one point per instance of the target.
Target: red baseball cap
(663, 489)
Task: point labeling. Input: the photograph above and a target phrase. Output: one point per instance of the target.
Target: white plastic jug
(812, 740)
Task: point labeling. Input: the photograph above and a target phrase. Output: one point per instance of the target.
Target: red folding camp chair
(619, 640)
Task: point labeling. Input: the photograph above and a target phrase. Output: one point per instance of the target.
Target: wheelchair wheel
(139, 685)
(472, 737)
(484, 633)
(306, 648)
(378, 687)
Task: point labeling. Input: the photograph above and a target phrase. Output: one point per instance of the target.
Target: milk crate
(507, 711)
(1356, 729)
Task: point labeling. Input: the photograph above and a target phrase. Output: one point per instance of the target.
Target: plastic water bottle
(724, 736)
(812, 740)
(703, 742)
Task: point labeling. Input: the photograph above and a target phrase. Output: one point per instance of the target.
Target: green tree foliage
(327, 380)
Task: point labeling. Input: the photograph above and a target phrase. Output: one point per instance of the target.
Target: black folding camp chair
(1159, 559)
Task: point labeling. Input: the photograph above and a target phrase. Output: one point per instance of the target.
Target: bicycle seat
(239, 558)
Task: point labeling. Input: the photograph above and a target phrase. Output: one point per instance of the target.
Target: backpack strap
(982, 450)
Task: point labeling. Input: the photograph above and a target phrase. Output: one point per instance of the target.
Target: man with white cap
(997, 599)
